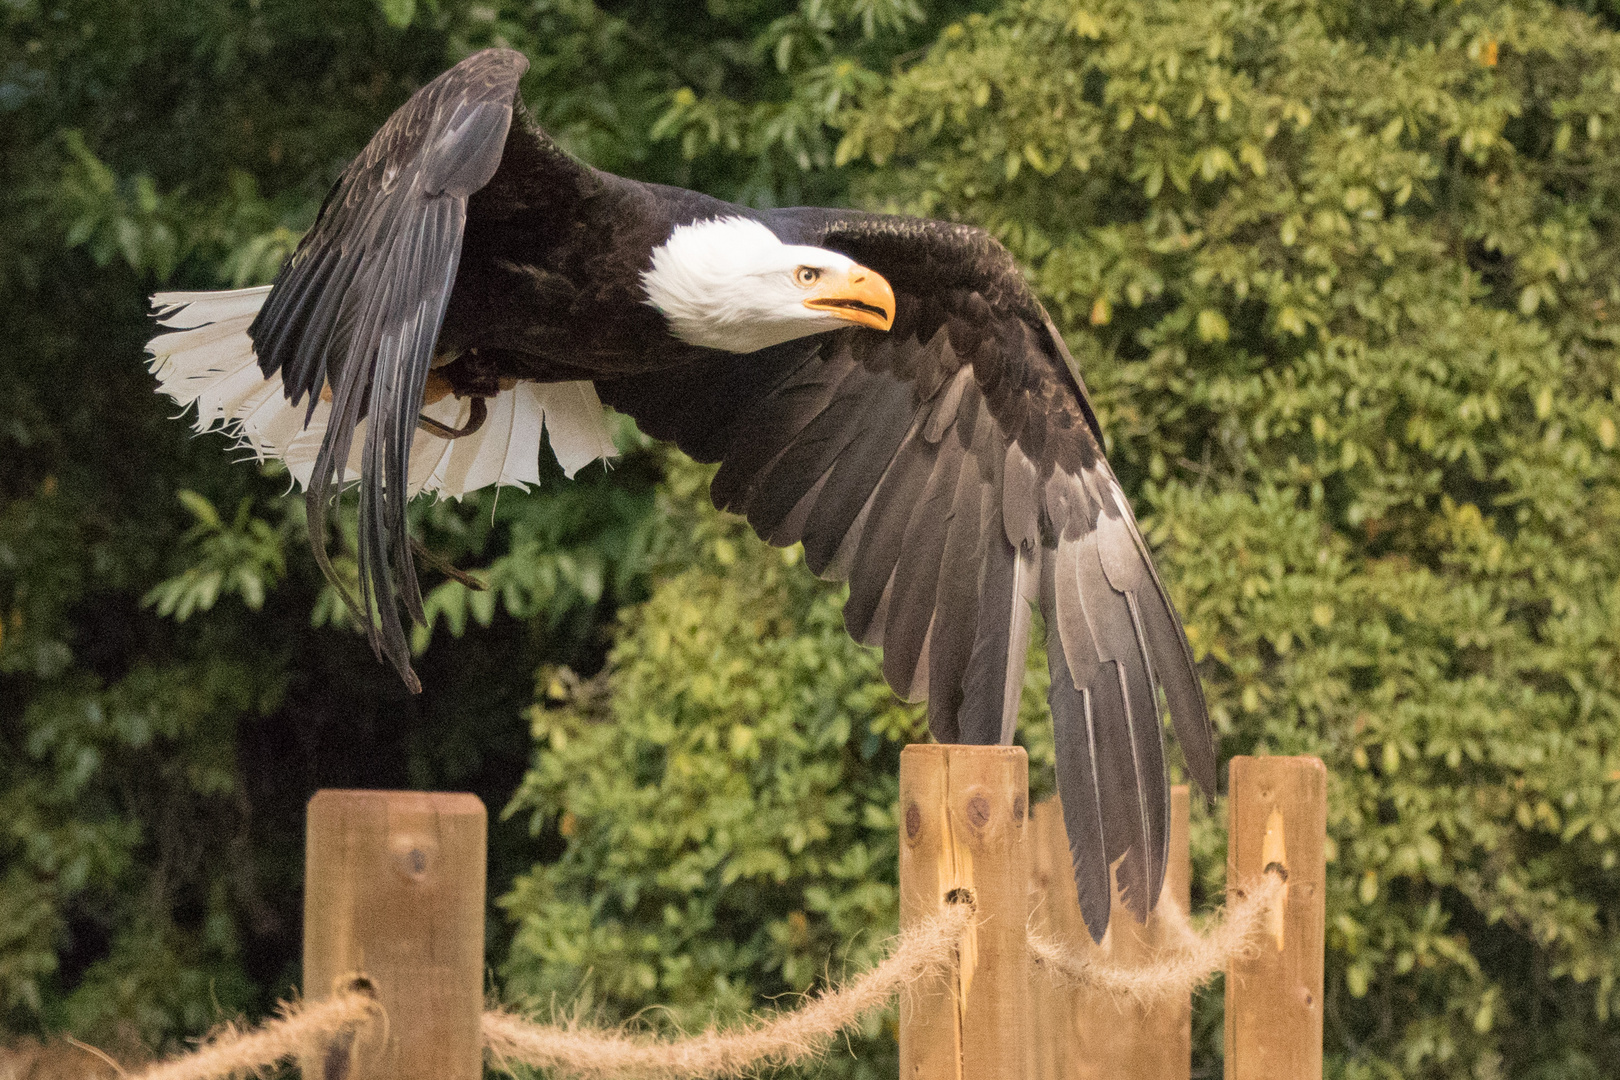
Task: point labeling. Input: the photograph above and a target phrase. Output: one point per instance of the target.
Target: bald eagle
(883, 390)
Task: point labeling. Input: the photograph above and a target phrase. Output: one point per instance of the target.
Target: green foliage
(1343, 279)
(149, 871)
(727, 791)
(241, 558)
(816, 57)
(161, 739)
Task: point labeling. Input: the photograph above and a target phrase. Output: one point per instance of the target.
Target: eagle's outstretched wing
(355, 312)
(952, 471)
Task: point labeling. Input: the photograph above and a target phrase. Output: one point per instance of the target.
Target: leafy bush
(1341, 276)
(155, 759)
(727, 795)
(1343, 279)
(1343, 282)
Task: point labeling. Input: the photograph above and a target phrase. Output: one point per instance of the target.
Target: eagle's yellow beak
(857, 294)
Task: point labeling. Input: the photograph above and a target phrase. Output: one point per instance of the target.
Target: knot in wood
(415, 856)
(978, 811)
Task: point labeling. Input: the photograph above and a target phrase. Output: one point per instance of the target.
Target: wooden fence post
(1085, 1034)
(963, 834)
(394, 894)
(1274, 998)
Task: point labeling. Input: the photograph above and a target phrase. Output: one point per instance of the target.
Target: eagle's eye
(806, 275)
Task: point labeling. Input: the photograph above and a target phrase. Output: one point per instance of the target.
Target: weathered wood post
(963, 835)
(394, 894)
(1274, 998)
(1086, 1034)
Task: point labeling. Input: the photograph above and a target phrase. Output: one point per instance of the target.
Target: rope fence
(300, 1029)
(313, 1031)
(1173, 971)
(998, 982)
(777, 1040)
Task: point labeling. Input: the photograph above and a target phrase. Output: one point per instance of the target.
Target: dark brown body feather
(950, 469)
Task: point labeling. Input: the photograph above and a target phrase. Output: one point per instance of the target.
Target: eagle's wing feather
(357, 309)
(952, 471)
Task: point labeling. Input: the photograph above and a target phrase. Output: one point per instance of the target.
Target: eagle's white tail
(210, 363)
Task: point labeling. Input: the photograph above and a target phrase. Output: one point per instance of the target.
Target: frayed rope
(300, 1029)
(727, 1054)
(1178, 969)
(924, 950)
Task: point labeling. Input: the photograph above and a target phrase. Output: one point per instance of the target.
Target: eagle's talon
(480, 412)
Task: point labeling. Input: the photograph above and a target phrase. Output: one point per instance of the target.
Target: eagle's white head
(729, 283)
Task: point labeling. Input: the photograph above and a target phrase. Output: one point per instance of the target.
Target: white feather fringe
(211, 364)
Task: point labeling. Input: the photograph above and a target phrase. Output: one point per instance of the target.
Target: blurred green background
(1344, 278)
